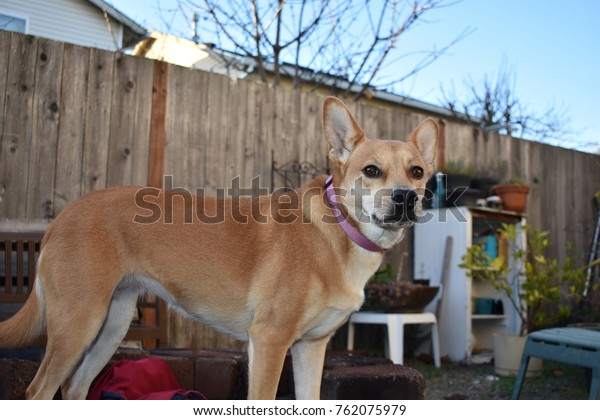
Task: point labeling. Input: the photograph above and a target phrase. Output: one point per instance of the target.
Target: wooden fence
(75, 119)
(563, 181)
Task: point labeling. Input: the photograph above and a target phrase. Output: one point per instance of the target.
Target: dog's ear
(425, 138)
(341, 130)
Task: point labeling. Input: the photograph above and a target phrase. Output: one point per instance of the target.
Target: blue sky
(553, 47)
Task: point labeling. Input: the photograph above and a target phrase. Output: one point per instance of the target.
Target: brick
(181, 362)
(35, 354)
(217, 374)
(15, 377)
(337, 361)
(221, 375)
(379, 382)
(220, 379)
(183, 368)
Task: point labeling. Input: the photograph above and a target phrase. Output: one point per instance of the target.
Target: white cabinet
(462, 332)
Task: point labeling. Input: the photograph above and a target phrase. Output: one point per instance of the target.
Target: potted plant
(454, 187)
(385, 293)
(542, 292)
(513, 194)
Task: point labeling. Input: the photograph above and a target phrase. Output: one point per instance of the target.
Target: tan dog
(287, 277)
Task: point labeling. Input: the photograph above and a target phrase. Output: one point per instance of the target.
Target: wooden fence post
(156, 160)
(156, 165)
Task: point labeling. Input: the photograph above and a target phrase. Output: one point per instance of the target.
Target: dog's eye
(372, 171)
(417, 172)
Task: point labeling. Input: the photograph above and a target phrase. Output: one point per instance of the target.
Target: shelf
(487, 317)
(487, 212)
(461, 331)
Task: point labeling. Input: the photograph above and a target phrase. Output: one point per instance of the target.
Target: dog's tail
(27, 324)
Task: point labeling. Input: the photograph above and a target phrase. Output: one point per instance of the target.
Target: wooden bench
(574, 346)
(19, 251)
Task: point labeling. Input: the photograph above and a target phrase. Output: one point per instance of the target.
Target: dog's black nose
(405, 200)
(408, 197)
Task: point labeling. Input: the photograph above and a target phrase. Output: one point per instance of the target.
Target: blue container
(484, 306)
(491, 246)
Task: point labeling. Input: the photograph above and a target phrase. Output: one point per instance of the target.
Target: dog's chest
(357, 271)
(347, 300)
(328, 321)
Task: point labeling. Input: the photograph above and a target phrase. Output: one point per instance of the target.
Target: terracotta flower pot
(513, 196)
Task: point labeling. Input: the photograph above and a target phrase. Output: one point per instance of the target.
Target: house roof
(133, 32)
(332, 81)
(337, 82)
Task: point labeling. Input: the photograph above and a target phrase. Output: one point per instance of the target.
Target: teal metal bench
(574, 346)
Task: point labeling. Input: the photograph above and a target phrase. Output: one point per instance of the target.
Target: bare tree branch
(320, 39)
(257, 39)
(493, 105)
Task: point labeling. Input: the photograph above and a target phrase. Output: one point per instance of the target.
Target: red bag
(145, 379)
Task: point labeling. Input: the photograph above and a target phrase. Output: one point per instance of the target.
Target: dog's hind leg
(307, 358)
(69, 334)
(75, 309)
(100, 351)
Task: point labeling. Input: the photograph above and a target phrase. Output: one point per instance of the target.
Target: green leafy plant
(543, 292)
(384, 275)
(460, 167)
(515, 180)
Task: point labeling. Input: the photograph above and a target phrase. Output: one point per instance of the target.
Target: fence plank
(277, 132)
(312, 138)
(97, 120)
(177, 126)
(4, 47)
(236, 136)
(217, 120)
(581, 228)
(536, 165)
(16, 131)
(71, 131)
(254, 125)
(266, 140)
(44, 139)
(156, 160)
(198, 104)
(142, 121)
(122, 121)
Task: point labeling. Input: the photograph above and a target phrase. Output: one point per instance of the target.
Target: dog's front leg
(266, 358)
(308, 357)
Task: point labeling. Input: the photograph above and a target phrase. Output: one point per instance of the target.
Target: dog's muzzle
(404, 206)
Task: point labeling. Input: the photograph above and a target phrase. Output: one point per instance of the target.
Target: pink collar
(352, 232)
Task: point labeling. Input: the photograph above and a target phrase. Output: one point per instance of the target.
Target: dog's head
(381, 183)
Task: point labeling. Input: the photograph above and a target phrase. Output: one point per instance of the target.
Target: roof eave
(120, 17)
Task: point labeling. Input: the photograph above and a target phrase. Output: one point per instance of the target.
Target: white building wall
(73, 21)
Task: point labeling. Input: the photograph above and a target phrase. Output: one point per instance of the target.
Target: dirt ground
(459, 381)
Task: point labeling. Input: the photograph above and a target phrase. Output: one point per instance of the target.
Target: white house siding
(73, 21)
